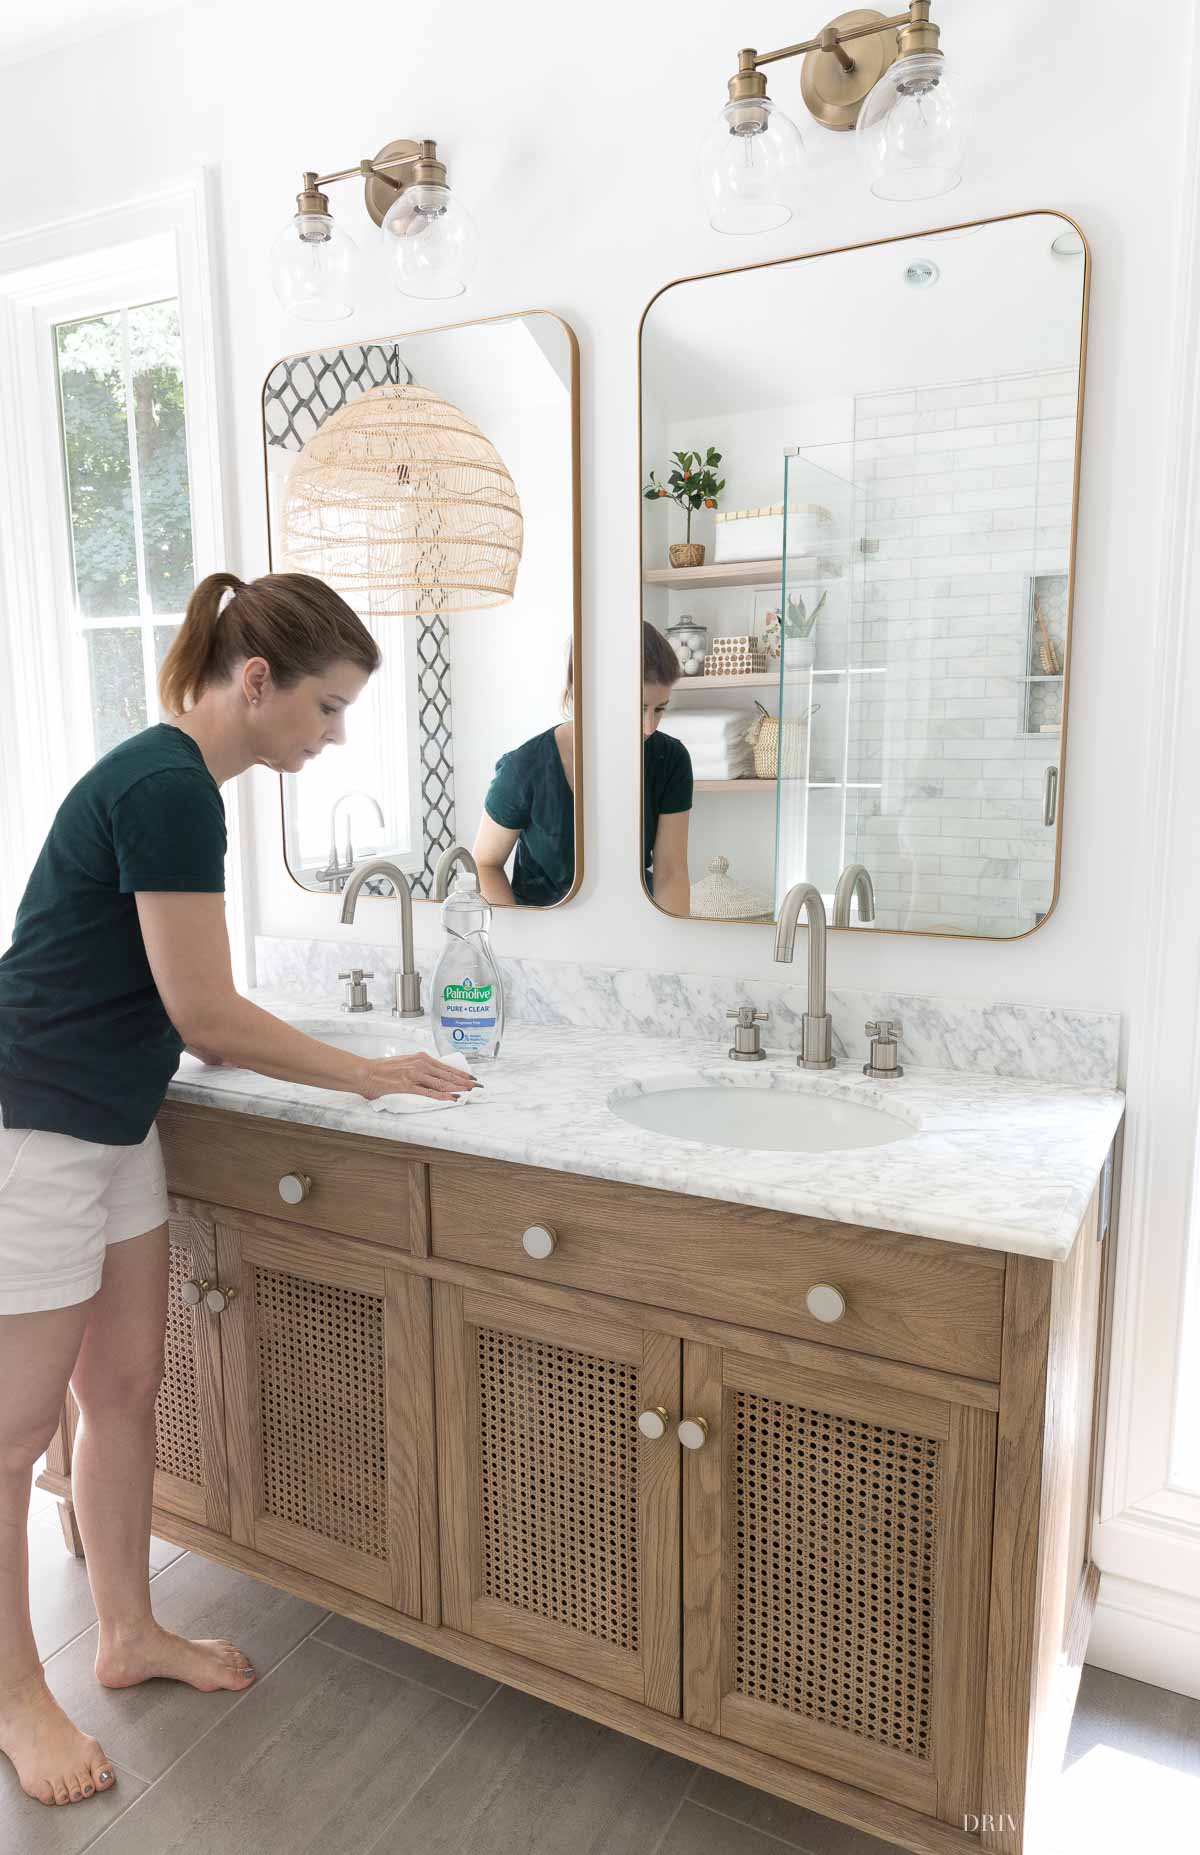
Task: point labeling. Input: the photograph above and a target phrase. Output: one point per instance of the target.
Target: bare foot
(55, 1762)
(206, 1665)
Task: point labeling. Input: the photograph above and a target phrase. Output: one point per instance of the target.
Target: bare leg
(115, 1382)
(54, 1761)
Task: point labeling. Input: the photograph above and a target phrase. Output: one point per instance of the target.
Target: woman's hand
(415, 1075)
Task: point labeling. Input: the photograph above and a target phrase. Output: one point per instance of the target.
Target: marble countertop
(991, 1162)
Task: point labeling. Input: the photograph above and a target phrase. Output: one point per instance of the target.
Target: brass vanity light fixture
(427, 235)
(893, 89)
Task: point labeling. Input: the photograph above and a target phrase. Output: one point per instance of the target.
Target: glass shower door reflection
(818, 775)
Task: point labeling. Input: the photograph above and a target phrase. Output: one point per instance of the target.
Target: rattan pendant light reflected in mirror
(403, 506)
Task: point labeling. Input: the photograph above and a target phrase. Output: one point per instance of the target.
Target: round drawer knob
(693, 1432)
(192, 1293)
(539, 1240)
(653, 1423)
(825, 1302)
(218, 1299)
(294, 1187)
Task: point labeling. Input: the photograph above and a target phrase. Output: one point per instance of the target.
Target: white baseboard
(1146, 1633)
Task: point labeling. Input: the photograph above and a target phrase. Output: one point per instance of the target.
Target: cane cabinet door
(322, 1343)
(559, 1517)
(837, 1532)
(190, 1474)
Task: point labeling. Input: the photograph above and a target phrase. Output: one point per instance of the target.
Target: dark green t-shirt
(529, 794)
(86, 1046)
(666, 787)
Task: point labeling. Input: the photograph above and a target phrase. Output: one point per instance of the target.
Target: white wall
(564, 135)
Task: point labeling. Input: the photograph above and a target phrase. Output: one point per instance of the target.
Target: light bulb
(912, 129)
(751, 167)
(431, 241)
(313, 266)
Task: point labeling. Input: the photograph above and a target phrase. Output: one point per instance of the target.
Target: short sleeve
(676, 794)
(169, 834)
(507, 800)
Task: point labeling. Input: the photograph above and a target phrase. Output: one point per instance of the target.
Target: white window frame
(1147, 1541)
(154, 247)
(158, 284)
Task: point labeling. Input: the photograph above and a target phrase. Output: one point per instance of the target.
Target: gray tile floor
(353, 1744)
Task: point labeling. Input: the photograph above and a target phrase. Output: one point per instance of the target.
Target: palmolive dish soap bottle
(468, 998)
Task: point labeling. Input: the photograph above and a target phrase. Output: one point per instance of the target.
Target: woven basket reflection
(766, 734)
(403, 506)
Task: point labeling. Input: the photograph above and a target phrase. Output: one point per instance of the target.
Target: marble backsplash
(1043, 1043)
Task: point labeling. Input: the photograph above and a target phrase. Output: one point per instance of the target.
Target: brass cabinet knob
(539, 1241)
(218, 1299)
(294, 1187)
(693, 1432)
(825, 1302)
(653, 1423)
(191, 1292)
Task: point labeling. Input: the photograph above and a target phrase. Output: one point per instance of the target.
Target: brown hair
(659, 662)
(293, 620)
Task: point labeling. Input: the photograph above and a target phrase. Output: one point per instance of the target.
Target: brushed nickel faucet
(445, 867)
(816, 1043)
(408, 980)
(854, 880)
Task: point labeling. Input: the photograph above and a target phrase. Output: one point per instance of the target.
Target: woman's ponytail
(188, 664)
(296, 623)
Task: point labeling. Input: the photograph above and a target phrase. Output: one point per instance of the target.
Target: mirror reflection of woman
(529, 810)
(666, 782)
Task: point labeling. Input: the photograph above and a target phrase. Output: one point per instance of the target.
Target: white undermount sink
(777, 1119)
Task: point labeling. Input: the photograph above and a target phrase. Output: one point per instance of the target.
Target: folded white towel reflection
(721, 766)
(423, 1104)
(703, 727)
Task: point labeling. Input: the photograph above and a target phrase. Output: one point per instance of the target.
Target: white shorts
(62, 1201)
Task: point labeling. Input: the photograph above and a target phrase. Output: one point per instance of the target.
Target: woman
(119, 961)
(666, 782)
(530, 804)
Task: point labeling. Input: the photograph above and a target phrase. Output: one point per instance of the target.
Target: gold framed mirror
(857, 589)
(433, 477)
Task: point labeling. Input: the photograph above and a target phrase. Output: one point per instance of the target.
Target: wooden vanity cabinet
(325, 1360)
(865, 1586)
(559, 1520)
(191, 1476)
(837, 1543)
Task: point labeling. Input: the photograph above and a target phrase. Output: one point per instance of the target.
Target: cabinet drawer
(356, 1187)
(929, 1303)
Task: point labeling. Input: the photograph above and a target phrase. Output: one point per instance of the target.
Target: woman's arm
(188, 950)
(672, 889)
(493, 847)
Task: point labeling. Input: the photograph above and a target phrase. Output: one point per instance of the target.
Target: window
(111, 500)
(124, 444)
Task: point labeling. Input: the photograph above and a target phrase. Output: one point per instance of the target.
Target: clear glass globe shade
(431, 242)
(313, 266)
(912, 130)
(750, 168)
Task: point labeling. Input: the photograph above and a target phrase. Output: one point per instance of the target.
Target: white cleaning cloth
(422, 1104)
